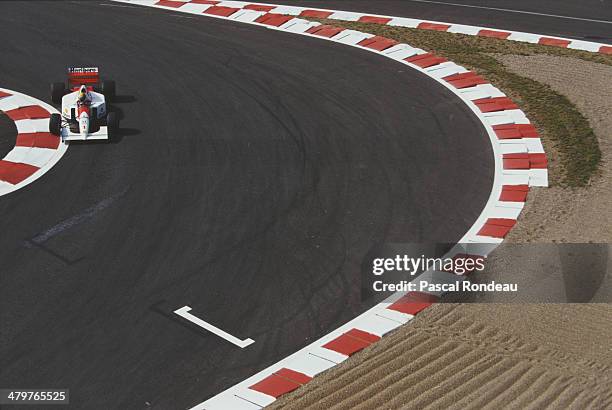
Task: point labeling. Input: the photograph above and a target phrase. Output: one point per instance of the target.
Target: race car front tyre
(58, 90)
(108, 89)
(55, 124)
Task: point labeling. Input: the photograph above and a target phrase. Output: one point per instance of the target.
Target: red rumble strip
(464, 80)
(272, 19)
(377, 43)
(31, 112)
(38, 140)
(547, 41)
(15, 172)
(495, 104)
(525, 161)
(514, 193)
(513, 131)
(426, 60)
(324, 30)
(351, 342)
(374, 19)
(414, 302)
(538, 161)
(316, 14)
(281, 382)
(494, 33)
(168, 3)
(220, 11)
(497, 227)
(516, 161)
(433, 26)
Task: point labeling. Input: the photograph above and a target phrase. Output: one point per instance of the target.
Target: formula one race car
(84, 114)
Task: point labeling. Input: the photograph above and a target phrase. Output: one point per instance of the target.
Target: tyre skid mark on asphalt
(77, 219)
(39, 240)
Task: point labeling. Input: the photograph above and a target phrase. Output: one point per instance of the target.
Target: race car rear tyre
(58, 90)
(112, 122)
(108, 89)
(55, 124)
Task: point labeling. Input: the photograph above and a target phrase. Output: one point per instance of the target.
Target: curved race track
(589, 20)
(255, 171)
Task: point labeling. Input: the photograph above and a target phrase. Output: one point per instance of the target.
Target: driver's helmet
(82, 94)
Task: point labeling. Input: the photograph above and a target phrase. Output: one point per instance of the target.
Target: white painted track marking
(473, 6)
(184, 313)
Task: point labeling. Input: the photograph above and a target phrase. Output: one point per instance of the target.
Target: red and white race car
(84, 114)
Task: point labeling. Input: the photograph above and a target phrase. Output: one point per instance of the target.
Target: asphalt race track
(254, 171)
(589, 20)
(8, 135)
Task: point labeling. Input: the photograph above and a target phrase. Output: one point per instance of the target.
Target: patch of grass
(564, 130)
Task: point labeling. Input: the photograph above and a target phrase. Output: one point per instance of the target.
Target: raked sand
(468, 356)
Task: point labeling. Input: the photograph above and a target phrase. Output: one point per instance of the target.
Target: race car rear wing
(83, 75)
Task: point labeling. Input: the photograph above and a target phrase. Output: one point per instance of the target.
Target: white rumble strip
(36, 150)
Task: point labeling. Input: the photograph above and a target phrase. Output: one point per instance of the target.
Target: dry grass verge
(566, 134)
(582, 214)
